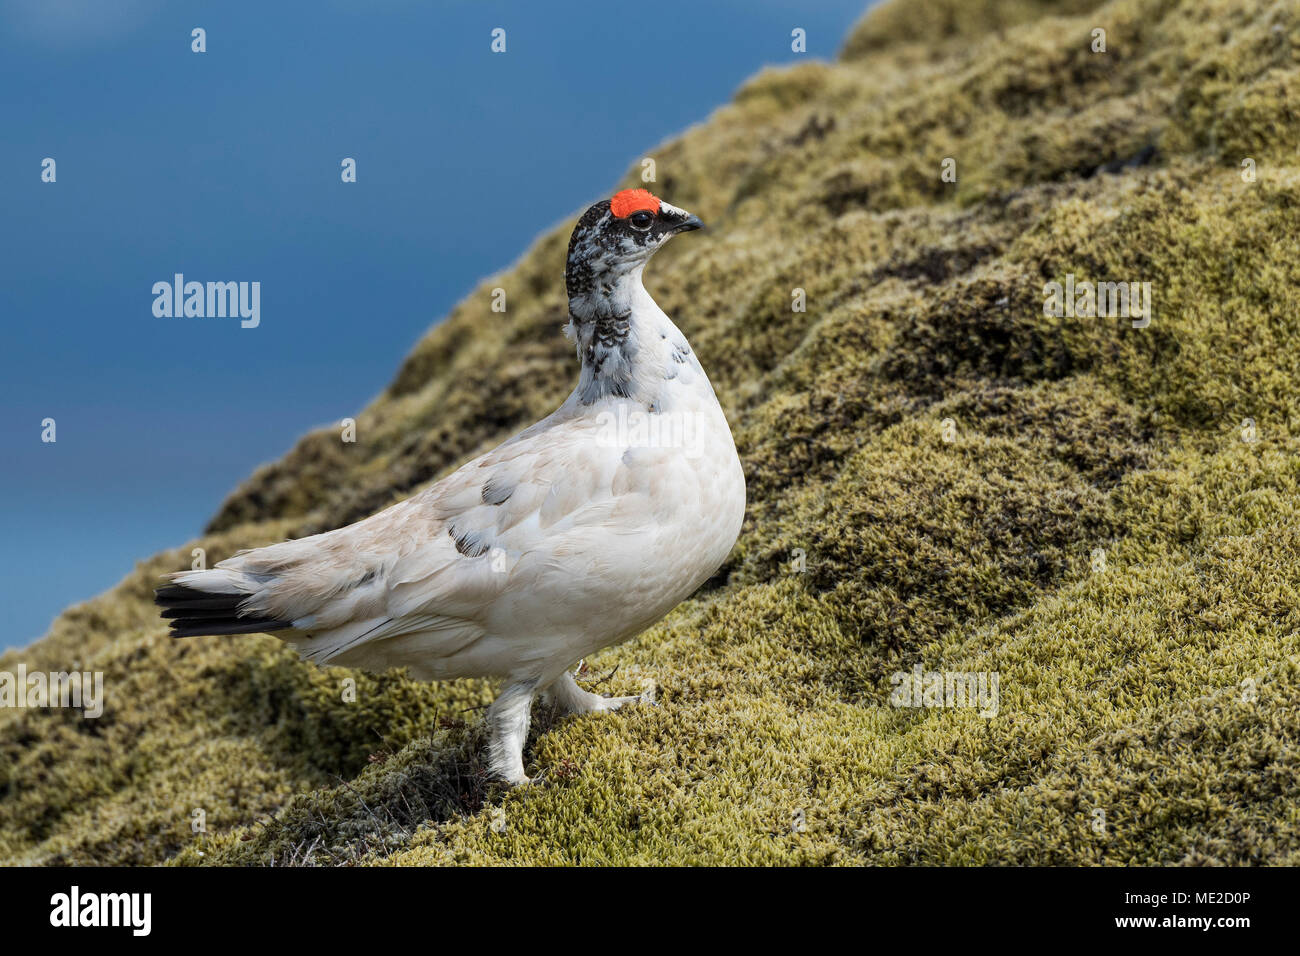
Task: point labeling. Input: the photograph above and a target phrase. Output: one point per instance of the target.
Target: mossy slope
(1149, 709)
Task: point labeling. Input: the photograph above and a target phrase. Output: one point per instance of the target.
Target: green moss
(939, 475)
(933, 22)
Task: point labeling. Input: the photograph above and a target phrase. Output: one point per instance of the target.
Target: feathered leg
(507, 720)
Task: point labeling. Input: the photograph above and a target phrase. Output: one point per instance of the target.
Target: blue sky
(225, 166)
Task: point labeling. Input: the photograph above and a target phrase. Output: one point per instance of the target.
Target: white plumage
(577, 533)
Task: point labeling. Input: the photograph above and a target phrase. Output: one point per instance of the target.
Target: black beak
(689, 224)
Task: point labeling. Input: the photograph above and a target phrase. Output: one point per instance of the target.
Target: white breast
(662, 514)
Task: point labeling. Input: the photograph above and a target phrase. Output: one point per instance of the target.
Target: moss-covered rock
(941, 476)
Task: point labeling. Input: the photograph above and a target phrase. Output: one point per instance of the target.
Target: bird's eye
(641, 220)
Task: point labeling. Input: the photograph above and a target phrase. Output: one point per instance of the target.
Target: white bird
(577, 533)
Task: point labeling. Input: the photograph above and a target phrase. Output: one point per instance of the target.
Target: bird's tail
(211, 602)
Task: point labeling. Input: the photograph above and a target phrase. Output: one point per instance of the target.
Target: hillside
(1149, 707)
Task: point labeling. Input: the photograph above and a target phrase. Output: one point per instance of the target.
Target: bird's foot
(574, 700)
(510, 777)
(609, 704)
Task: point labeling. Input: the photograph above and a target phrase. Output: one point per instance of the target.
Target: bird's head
(616, 237)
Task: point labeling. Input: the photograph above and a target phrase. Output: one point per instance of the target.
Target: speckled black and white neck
(619, 341)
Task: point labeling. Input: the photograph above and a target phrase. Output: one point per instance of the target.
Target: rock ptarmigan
(577, 533)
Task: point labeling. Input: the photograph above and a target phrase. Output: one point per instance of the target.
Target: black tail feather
(196, 613)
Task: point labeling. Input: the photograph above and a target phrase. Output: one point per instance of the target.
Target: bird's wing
(436, 562)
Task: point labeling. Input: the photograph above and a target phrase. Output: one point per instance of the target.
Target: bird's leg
(574, 700)
(507, 721)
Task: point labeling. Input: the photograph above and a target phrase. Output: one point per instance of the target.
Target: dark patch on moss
(987, 327)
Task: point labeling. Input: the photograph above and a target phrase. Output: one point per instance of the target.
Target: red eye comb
(633, 200)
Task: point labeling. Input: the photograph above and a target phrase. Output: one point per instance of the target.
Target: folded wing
(432, 565)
